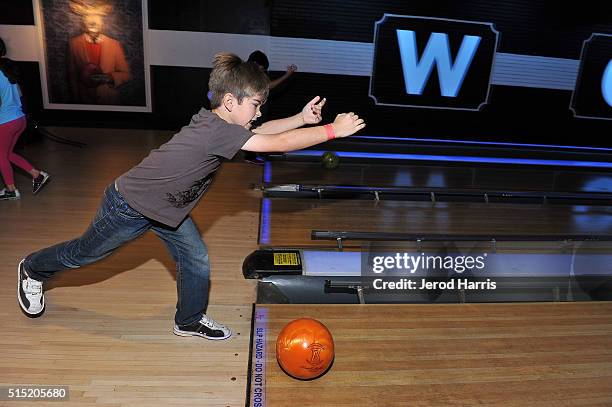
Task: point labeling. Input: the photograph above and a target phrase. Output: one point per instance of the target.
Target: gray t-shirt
(167, 184)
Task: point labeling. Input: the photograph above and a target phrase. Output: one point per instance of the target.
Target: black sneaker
(6, 195)
(29, 293)
(206, 328)
(40, 181)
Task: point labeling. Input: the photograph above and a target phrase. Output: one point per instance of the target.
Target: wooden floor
(107, 331)
(518, 354)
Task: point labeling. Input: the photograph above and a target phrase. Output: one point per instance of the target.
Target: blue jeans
(115, 224)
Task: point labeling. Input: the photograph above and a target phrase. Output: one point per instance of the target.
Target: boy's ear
(228, 102)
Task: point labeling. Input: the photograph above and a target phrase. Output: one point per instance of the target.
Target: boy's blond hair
(242, 79)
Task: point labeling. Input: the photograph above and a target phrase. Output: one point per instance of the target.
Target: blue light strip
(267, 174)
(448, 158)
(264, 227)
(492, 143)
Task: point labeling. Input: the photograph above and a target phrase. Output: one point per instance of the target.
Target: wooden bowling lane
(381, 174)
(517, 354)
(289, 221)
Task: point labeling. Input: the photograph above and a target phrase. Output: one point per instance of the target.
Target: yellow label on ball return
(286, 259)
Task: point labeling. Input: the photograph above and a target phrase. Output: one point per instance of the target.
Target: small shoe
(29, 293)
(6, 195)
(206, 328)
(40, 181)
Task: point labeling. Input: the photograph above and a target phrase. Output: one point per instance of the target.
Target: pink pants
(9, 134)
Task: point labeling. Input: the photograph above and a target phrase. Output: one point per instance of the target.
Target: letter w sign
(407, 49)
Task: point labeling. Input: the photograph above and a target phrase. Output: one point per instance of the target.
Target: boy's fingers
(314, 100)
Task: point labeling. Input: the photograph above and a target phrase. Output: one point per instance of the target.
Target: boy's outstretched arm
(310, 114)
(344, 125)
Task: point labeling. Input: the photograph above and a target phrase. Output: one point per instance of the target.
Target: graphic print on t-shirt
(181, 199)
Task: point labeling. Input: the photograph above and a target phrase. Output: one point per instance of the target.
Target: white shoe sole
(178, 332)
(23, 307)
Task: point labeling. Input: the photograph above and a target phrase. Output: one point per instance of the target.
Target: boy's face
(248, 111)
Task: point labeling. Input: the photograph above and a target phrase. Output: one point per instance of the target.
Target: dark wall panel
(514, 114)
(16, 12)
(178, 93)
(530, 27)
(229, 16)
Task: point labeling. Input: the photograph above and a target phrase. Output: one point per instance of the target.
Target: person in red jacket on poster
(96, 62)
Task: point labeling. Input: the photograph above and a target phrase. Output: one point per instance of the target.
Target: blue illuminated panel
(463, 159)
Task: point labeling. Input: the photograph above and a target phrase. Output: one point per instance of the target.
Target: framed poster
(93, 54)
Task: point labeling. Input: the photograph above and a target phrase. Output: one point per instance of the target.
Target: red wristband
(330, 132)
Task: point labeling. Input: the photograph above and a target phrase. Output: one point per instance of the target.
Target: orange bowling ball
(305, 348)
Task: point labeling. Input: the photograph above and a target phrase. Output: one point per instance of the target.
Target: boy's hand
(347, 124)
(311, 113)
